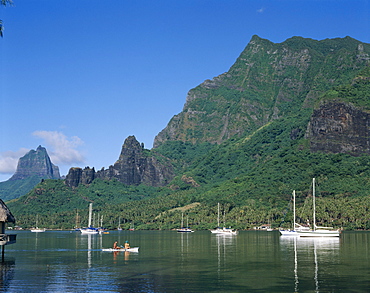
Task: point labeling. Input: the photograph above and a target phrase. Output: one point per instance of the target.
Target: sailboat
(184, 229)
(90, 229)
(101, 230)
(224, 230)
(296, 227)
(37, 229)
(318, 231)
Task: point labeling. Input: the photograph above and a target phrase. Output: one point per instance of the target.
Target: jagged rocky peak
(73, 177)
(78, 176)
(134, 166)
(36, 163)
(131, 148)
(137, 165)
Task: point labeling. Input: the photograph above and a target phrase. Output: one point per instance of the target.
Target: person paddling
(127, 245)
(115, 246)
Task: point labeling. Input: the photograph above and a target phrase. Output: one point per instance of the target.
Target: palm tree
(4, 3)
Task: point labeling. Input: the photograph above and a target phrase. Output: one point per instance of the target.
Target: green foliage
(267, 81)
(53, 197)
(256, 116)
(13, 189)
(252, 178)
(356, 92)
(183, 153)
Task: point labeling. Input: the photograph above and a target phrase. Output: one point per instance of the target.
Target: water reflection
(295, 266)
(89, 250)
(320, 251)
(184, 242)
(87, 242)
(225, 244)
(193, 262)
(6, 274)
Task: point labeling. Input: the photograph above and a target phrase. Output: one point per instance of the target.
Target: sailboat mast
(293, 209)
(218, 215)
(314, 204)
(90, 214)
(77, 223)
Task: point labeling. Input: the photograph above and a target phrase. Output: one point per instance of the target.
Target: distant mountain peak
(36, 163)
(135, 166)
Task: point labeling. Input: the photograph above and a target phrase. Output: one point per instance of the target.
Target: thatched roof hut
(5, 214)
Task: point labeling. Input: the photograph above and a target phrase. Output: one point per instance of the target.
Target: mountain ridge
(134, 166)
(246, 139)
(266, 82)
(36, 162)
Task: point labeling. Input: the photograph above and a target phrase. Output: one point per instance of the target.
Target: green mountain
(267, 82)
(283, 114)
(32, 168)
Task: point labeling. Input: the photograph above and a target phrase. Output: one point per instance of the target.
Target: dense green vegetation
(252, 173)
(356, 92)
(267, 81)
(252, 178)
(15, 188)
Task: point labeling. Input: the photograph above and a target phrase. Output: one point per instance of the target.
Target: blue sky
(78, 77)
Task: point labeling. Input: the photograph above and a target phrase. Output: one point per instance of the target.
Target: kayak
(132, 249)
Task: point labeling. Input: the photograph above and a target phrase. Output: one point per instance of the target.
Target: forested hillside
(251, 172)
(268, 81)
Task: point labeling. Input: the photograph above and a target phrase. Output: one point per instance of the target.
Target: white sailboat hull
(299, 229)
(289, 233)
(89, 231)
(224, 231)
(320, 233)
(37, 230)
(310, 233)
(185, 230)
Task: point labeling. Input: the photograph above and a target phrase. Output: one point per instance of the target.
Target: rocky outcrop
(36, 163)
(339, 127)
(135, 166)
(78, 176)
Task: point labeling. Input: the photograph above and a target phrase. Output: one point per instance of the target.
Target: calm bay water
(253, 261)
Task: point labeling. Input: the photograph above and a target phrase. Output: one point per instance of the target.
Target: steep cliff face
(341, 124)
(267, 81)
(78, 176)
(36, 163)
(135, 166)
(337, 127)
